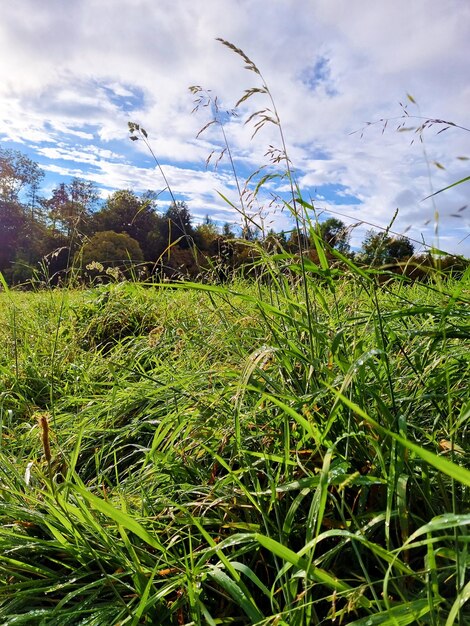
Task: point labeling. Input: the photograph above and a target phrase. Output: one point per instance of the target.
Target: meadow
(267, 451)
(286, 448)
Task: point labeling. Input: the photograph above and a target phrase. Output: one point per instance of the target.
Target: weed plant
(288, 450)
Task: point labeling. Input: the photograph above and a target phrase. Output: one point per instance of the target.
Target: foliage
(70, 205)
(13, 221)
(290, 449)
(39, 241)
(381, 249)
(178, 227)
(124, 212)
(18, 173)
(335, 233)
(183, 453)
(24, 241)
(110, 247)
(206, 234)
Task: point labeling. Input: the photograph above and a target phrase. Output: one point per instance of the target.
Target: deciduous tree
(124, 212)
(18, 173)
(70, 205)
(206, 234)
(336, 234)
(12, 220)
(381, 249)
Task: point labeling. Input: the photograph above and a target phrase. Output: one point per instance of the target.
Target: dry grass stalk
(43, 422)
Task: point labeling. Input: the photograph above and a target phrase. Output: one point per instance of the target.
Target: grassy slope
(235, 455)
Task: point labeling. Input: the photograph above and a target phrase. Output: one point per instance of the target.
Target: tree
(399, 249)
(206, 234)
(69, 207)
(12, 220)
(124, 212)
(179, 225)
(56, 205)
(23, 241)
(18, 173)
(297, 241)
(381, 249)
(275, 242)
(35, 245)
(227, 231)
(83, 196)
(335, 233)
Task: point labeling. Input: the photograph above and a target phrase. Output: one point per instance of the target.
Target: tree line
(73, 228)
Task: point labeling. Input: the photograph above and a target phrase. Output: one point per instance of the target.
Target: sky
(75, 72)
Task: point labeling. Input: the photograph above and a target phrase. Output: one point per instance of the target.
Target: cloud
(74, 74)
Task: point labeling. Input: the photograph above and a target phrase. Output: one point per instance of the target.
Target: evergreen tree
(179, 224)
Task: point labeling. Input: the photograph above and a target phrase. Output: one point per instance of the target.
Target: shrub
(110, 247)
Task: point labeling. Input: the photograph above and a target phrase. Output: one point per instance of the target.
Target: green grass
(222, 455)
(284, 451)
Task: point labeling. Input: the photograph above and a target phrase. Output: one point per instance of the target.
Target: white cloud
(74, 74)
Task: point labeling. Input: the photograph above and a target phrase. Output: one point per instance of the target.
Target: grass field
(254, 453)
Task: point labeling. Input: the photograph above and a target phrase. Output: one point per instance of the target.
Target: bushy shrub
(110, 247)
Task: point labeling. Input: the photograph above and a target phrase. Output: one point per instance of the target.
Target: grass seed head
(43, 421)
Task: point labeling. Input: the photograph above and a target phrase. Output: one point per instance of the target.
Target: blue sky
(74, 73)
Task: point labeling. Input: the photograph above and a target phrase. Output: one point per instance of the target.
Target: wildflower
(95, 265)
